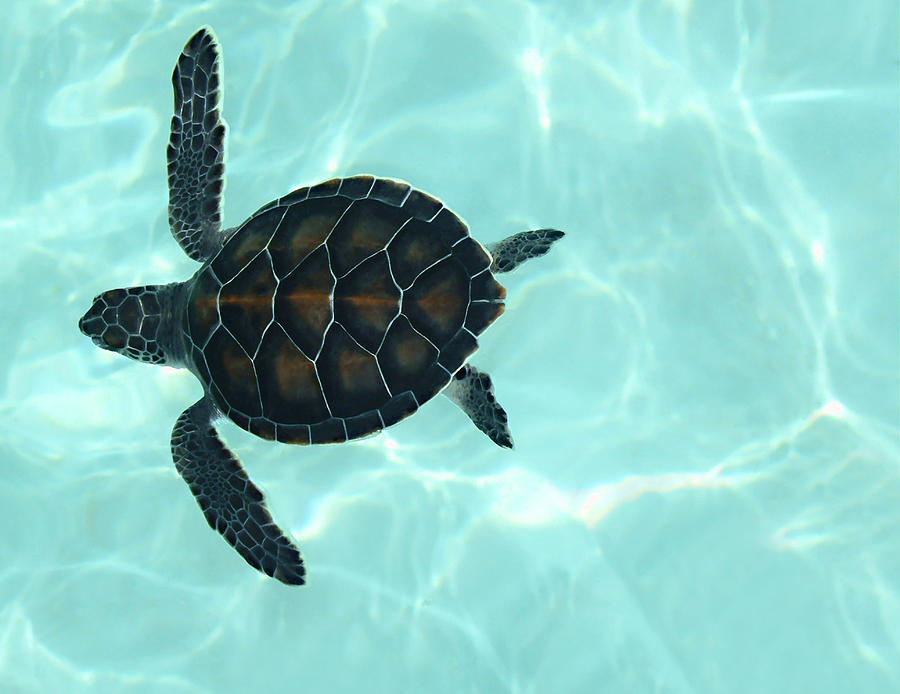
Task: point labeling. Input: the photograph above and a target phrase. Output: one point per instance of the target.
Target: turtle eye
(113, 297)
(114, 337)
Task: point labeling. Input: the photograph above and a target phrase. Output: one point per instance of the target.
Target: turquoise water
(702, 378)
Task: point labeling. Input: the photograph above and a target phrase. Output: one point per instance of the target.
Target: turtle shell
(338, 310)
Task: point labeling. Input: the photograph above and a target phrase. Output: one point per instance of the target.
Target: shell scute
(356, 187)
(422, 206)
(199, 362)
(263, 428)
(398, 407)
(436, 302)
(296, 195)
(325, 189)
(232, 372)
(389, 191)
(287, 381)
(455, 352)
(431, 382)
(366, 300)
(245, 303)
(293, 433)
(303, 302)
(412, 250)
(472, 256)
(350, 376)
(449, 228)
(405, 356)
(362, 424)
(481, 314)
(365, 229)
(486, 288)
(332, 430)
(202, 307)
(244, 244)
(303, 230)
(239, 418)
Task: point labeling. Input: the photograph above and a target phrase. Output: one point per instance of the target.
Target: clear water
(702, 379)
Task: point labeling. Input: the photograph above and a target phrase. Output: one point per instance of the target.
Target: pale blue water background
(702, 379)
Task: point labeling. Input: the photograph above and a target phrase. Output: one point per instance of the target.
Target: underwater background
(702, 378)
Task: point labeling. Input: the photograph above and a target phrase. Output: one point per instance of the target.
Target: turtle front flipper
(196, 152)
(232, 504)
(514, 250)
(473, 391)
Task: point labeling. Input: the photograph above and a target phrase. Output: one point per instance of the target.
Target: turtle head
(127, 321)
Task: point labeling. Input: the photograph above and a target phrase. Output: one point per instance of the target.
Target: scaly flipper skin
(473, 391)
(231, 503)
(514, 250)
(196, 152)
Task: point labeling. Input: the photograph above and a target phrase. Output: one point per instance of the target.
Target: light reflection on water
(702, 379)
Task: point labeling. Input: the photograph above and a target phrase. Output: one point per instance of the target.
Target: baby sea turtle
(331, 313)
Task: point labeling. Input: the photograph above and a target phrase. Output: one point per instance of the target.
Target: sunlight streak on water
(701, 379)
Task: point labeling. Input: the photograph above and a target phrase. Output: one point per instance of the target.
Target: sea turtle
(331, 313)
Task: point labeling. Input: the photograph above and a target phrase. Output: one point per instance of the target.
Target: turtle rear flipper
(473, 391)
(514, 250)
(232, 504)
(196, 152)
